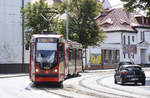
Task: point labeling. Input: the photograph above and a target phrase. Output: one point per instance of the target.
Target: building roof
(120, 20)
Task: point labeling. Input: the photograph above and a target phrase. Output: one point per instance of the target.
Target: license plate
(134, 79)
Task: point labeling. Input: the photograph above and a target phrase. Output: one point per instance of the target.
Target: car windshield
(46, 55)
(125, 63)
(133, 68)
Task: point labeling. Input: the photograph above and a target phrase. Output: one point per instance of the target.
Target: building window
(142, 20)
(129, 55)
(128, 40)
(142, 35)
(124, 39)
(106, 56)
(133, 39)
(146, 20)
(124, 55)
(133, 56)
(111, 56)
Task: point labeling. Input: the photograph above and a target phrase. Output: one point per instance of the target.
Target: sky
(116, 3)
(119, 4)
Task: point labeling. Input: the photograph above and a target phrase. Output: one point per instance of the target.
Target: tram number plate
(134, 79)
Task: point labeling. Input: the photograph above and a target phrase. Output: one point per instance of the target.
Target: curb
(11, 75)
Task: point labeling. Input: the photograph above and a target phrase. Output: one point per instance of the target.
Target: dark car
(129, 73)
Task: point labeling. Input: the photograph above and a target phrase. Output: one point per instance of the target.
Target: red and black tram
(52, 58)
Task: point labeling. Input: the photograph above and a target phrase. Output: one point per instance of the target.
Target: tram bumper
(46, 77)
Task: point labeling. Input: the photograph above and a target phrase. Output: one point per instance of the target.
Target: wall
(10, 31)
(133, 41)
(114, 37)
(147, 39)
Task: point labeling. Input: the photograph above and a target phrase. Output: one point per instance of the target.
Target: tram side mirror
(61, 47)
(27, 46)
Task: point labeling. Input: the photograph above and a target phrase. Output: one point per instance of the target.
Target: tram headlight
(36, 70)
(55, 70)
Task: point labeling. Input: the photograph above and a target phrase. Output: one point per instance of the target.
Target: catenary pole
(67, 22)
(22, 34)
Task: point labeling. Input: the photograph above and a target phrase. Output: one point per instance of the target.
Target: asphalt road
(90, 84)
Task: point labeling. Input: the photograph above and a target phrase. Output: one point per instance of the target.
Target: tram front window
(46, 55)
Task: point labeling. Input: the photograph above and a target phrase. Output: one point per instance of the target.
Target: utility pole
(22, 34)
(67, 22)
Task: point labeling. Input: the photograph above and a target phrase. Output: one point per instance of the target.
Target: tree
(39, 17)
(134, 4)
(83, 26)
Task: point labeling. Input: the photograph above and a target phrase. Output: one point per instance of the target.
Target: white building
(11, 39)
(128, 38)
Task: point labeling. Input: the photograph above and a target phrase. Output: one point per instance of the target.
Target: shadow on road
(147, 84)
(48, 85)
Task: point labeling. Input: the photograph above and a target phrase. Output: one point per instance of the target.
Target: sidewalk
(13, 75)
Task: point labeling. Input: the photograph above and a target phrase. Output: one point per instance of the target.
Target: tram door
(61, 61)
(32, 58)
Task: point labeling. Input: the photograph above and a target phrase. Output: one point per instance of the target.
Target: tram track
(56, 93)
(80, 87)
(114, 88)
(101, 91)
(91, 92)
(72, 92)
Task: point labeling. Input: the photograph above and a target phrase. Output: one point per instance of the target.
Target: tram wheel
(60, 84)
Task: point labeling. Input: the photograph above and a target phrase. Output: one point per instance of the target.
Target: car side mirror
(116, 70)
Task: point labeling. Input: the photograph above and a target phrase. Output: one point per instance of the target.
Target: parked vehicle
(129, 73)
(52, 58)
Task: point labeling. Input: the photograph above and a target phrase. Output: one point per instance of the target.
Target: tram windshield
(46, 53)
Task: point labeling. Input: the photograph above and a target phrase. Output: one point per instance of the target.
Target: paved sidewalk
(13, 75)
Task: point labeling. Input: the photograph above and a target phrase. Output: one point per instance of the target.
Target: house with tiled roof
(128, 39)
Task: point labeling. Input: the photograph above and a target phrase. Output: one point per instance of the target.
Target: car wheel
(143, 83)
(115, 81)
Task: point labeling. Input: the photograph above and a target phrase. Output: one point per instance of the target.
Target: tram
(52, 59)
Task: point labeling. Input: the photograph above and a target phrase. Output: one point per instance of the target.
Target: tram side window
(71, 54)
(60, 52)
(79, 54)
(32, 51)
